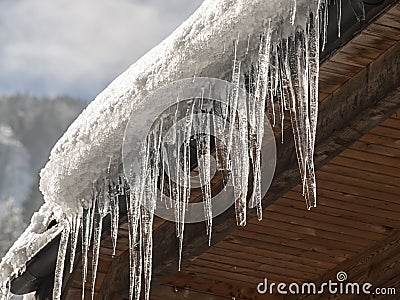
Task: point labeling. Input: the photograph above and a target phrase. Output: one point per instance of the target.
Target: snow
(35, 237)
(275, 43)
(83, 153)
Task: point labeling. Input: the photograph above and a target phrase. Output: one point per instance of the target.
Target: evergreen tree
(11, 226)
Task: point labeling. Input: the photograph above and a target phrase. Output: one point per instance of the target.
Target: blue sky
(76, 48)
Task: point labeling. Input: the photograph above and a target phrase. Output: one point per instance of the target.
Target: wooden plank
(371, 157)
(362, 50)
(185, 281)
(295, 244)
(222, 273)
(260, 266)
(360, 182)
(348, 58)
(392, 123)
(314, 263)
(333, 78)
(385, 131)
(390, 20)
(333, 168)
(340, 68)
(172, 292)
(366, 165)
(358, 191)
(377, 149)
(306, 232)
(345, 213)
(239, 255)
(329, 197)
(381, 140)
(326, 238)
(279, 247)
(372, 41)
(384, 31)
(328, 223)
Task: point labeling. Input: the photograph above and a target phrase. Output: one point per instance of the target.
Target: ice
(278, 64)
(76, 225)
(293, 10)
(135, 246)
(339, 16)
(99, 212)
(358, 8)
(258, 108)
(203, 152)
(324, 24)
(35, 237)
(86, 226)
(114, 211)
(62, 252)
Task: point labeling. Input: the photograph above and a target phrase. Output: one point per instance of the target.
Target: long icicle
(74, 240)
(98, 228)
(62, 252)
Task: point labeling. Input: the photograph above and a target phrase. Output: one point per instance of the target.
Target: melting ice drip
(284, 77)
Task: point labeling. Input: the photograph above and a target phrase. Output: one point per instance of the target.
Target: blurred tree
(11, 226)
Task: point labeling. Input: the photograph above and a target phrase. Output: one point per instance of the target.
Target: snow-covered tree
(11, 225)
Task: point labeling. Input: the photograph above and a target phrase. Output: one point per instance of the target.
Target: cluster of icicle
(284, 78)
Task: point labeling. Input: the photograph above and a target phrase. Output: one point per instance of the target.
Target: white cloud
(76, 47)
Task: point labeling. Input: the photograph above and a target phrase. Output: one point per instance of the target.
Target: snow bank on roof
(201, 46)
(35, 237)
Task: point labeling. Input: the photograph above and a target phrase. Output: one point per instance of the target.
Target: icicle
(260, 95)
(300, 112)
(233, 100)
(180, 207)
(339, 16)
(94, 204)
(248, 45)
(135, 246)
(76, 224)
(114, 211)
(85, 246)
(220, 142)
(203, 158)
(325, 24)
(183, 175)
(358, 9)
(293, 10)
(147, 237)
(313, 58)
(98, 228)
(62, 252)
(240, 163)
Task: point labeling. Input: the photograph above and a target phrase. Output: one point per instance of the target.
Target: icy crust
(35, 238)
(201, 46)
